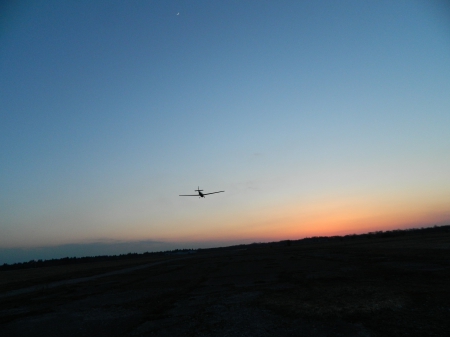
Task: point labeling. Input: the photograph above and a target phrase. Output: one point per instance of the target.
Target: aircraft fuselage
(200, 194)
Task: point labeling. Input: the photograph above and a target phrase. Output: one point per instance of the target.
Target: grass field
(378, 286)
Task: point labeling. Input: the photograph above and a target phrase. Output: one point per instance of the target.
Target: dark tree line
(79, 260)
(88, 259)
(380, 234)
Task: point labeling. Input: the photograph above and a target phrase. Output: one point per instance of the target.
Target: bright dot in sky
(178, 13)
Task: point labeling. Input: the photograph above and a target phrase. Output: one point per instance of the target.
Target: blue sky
(315, 117)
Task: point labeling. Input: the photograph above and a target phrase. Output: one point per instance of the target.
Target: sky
(315, 117)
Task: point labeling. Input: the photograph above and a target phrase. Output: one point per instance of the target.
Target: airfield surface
(397, 286)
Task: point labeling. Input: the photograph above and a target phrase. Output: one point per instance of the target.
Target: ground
(397, 286)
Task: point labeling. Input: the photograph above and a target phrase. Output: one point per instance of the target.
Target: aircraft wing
(189, 195)
(212, 192)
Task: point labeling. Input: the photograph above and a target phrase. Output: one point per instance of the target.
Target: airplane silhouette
(200, 194)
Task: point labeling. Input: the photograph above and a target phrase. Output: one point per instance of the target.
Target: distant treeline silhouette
(375, 235)
(385, 234)
(314, 239)
(86, 259)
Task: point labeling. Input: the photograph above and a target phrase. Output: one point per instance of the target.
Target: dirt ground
(366, 287)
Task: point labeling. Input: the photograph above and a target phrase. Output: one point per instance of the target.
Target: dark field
(392, 286)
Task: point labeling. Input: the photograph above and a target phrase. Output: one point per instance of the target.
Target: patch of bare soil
(379, 287)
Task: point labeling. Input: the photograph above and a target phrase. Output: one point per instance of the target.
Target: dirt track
(49, 285)
(380, 287)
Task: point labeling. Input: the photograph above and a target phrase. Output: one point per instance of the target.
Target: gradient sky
(316, 118)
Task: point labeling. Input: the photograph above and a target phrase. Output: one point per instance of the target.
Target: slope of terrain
(367, 286)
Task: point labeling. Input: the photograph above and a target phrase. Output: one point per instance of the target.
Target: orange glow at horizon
(321, 218)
